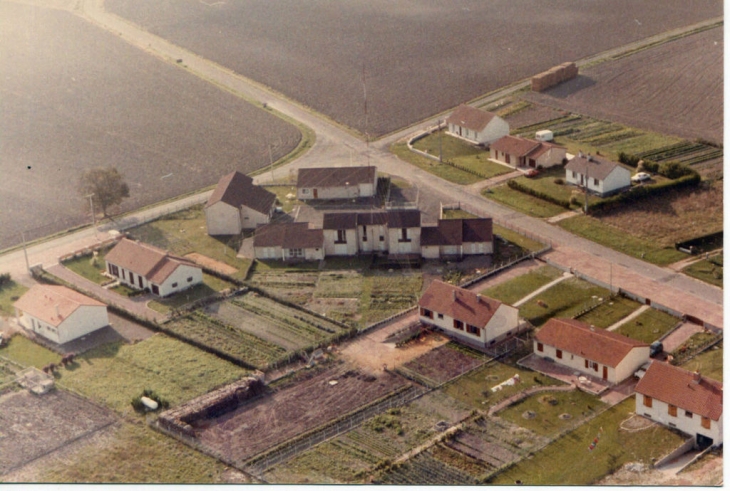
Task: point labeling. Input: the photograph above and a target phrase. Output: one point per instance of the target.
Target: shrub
(649, 166)
(630, 160)
(559, 180)
(4, 279)
(674, 170)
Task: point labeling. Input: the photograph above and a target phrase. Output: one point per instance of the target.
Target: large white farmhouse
(683, 400)
(59, 314)
(141, 266)
(466, 315)
(476, 125)
(237, 204)
(595, 352)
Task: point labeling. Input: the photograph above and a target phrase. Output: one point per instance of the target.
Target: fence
(142, 217)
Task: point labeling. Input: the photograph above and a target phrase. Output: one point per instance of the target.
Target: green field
(517, 288)
(565, 299)
(619, 240)
(184, 232)
(610, 312)
(520, 240)
(708, 270)
(27, 353)
(523, 202)
(568, 461)
(648, 326)
(9, 293)
(136, 454)
(89, 267)
(115, 373)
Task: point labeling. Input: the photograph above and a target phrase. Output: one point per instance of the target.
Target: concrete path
(542, 289)
(563, 216)
(680, 265)
(676, 465)
(633, 315)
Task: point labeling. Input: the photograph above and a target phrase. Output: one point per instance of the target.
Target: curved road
(337, 146)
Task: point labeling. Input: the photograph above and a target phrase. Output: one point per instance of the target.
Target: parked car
(532, 173)
(655, 348)
(642, 370)
(640, 177)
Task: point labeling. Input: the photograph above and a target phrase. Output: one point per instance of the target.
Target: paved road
(336, 146)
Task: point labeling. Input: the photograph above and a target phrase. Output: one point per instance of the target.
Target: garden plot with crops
(425, 469)
(292, 286)
(273, 419)
(442, 364)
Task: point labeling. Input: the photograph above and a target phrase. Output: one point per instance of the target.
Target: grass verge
(708, 363)
(436, 168)
(518, 239)
(610, 312)
(523, 202)
(707, 270)
(9, 293)
(27, 353)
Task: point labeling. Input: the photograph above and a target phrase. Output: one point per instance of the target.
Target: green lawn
(9, 293)
(523, 202)
(568, 461)
(436, 168)
(709, 271)
(548, 407)
(115, 373)
(516, 238)
(649, 326)
(210, 286)
(708, 363)
(281, 192)
(565, 299)
(610, 312)
(185, 232)
(461, 153)
(27, 353)
(474, 389)
(619, 240)
(545, 183)
(458, 213)
(89, 267)
(137, 454)
(694, 342)
(517, 288)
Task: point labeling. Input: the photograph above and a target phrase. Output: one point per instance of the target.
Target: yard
(25, 352)
(386, 293)
(442, 364)
(210, 286)
(90, 266)
(9, 293)
(708, 270)
(568, 460)
(709, 363)
(185, 231)
(115, 373)
(523, 202)
(648, 326)
(516, 289)
(565, 299)
(444, 171)
(610, 312)
(517, 239)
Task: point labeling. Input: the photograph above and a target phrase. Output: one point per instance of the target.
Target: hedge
(514, 184)
(638, 193)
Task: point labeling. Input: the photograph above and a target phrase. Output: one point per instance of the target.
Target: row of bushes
(640, 192)
(670, 169)
(517, 186)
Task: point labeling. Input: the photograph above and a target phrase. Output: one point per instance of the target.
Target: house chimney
(453, 294)
(479, 297)
(696, 377)
(580, 154)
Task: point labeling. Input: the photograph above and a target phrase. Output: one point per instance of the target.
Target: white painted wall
(554, 156)
(222, 219)
(183, 277)
(395, 246)
(331, 248)
(619, 178)
(85, 319)
(373, 242)
(503, 323)
(659, 412)
(636, 357)
(430, 252)
(250, 218)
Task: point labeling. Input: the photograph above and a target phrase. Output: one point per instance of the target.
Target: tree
(106, 187)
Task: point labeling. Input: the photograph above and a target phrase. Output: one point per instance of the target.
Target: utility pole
(585, 206)
(93, 215)
(271, 162)
(25, 251)
(440, 146)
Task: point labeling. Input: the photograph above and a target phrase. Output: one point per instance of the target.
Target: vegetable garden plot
(340, 284)
(442, 364)
(424, 469)
(386, 294)
(272, 420)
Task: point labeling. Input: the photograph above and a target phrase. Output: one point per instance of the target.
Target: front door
(314, 192)
(605, 373)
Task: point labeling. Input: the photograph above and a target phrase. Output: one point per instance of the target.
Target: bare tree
(106, 187)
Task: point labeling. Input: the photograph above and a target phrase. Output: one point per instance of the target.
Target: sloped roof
(470, 117)
(457, 231)
(595, 167)
(53, 304)
(295, 235)
(679, 387)
(599, 345)
(404, 218)
(339, 221)
(154, 264)
(514, 145)
(237, 189)
(459, 303)
(313, 177)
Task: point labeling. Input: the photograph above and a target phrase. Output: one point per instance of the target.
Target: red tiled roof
(313, 177)
(599, 345)
(146, 260)
(470, 117)
(53, 304)
(457, 231)
(596, 167)
(237, 189)
(678, 387)
(514, 145)
(459, 303)
(295, 235)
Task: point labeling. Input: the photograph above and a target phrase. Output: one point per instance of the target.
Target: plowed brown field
(675, 88)
(416, 58)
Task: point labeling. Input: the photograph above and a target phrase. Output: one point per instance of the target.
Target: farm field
(115, 373)
(567, 461)
(675, 88)
(120, 107)
(272, 420)
(408, 77)
(33, 425)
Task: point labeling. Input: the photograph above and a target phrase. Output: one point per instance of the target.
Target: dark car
(532, 173)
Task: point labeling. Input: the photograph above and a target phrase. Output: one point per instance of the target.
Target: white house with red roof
(476, 125)
(237, 204)
(59, 314)
(683, 400)
(524, 152)
(466, 315)
(142, 266)
(595, 352)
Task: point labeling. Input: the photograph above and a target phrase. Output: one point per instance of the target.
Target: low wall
(681, 450)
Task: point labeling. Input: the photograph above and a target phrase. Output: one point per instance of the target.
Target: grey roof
(593, 166)
(339, 221)
(237, 189)
(457, 231)
(335, 176)
(404, 218)
(470, 117)
(295, 235)
(393, 218)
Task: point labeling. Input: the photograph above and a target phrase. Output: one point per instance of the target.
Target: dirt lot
(32, 426)
(444, 363)
(255, 427)
(706, 472)
(79, 97)
(318, 52)
(674, 89)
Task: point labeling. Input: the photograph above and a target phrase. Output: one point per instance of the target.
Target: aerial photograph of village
(464, 242)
